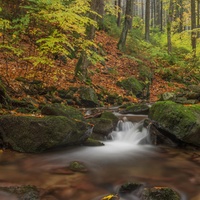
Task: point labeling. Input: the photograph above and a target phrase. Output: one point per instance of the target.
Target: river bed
(121, 160)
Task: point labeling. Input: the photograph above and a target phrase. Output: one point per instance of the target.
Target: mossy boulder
(31, 134)
(104, 125)
(110, 116)
(19, 192)
(160, 193)
(132, 85)
(130, 187)
(88, 97)
(147, 193)
(61, 110)
(181, 121)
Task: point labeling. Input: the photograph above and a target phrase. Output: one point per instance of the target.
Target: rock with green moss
(130, 187)
(181, 121)
(88, 97)
(31, 134)
(19, 192)
(61, 110)
(78, 166)
(132, 85)
(110, 116)
(104, 125)
(160, 194)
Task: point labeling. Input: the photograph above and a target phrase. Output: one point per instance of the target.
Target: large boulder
(31, 134)
(104, 125)
(183, 122)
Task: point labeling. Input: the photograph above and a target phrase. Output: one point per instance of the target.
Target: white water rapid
(128, 132)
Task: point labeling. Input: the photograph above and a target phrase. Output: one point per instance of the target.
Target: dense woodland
(98, 43)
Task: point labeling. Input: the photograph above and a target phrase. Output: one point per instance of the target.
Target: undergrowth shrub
(110, 25)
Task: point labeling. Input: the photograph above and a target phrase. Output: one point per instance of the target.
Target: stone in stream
(34, 135)
(182, 122)
(23, 192)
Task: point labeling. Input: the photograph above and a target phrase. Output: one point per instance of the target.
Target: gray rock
(167, 96)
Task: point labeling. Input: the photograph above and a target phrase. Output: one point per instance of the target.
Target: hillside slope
(116, 67)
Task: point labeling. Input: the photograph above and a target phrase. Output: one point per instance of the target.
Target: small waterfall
(129, 132)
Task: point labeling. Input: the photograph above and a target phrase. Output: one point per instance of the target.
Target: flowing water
(122, 159)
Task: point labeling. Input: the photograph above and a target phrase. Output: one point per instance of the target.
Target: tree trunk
(161, 15)
(198, 17)
(152, 12)
(169, 24)
(119, 13)
(193, 26)
(127, 25)
(147, 18)
(83, 62)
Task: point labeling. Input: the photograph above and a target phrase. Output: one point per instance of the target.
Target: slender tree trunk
(198, 17)
(157, 13)
(169, 25)
(100, 11)
(119, 13)
(127, 24)
(193, 26)
(147, 18)
(152, 12)
(161, 16)
(181, 16)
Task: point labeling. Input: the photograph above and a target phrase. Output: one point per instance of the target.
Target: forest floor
(117, 66)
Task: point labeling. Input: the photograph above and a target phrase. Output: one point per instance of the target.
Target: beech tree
(85, 59)
(147, 18)
(127, 24)
(169, 25)
(198, 17)
(193, 25)
(53, 30)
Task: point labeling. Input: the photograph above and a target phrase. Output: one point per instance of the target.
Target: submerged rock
(31, 134)
(77, 166)
(160, 193)
(19, 192)
(183, 122)
(139, 191)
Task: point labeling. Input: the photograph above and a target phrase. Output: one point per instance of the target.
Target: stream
(123, 159)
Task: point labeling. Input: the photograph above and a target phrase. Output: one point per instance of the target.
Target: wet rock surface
(183, 122)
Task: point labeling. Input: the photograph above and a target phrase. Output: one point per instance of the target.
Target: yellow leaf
(111, 197)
